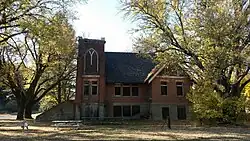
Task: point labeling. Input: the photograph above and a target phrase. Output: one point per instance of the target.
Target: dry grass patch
(10, 130)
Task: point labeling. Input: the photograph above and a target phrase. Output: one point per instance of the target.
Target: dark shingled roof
(124, 67)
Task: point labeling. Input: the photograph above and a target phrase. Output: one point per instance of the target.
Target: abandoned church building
(122, 85)
(119, 84)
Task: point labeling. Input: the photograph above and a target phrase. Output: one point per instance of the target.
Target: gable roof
(154, 72)
(124, 67)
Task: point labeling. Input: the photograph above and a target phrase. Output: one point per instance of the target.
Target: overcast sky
(101, 18)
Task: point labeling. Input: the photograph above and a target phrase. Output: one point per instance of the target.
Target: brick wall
(171, 100)
(111, 99)
(171, 97)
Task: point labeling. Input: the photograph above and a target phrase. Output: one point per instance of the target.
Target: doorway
(165, 112)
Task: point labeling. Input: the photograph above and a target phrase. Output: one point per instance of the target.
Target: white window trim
(164, 85)
(119, 86)
(91, 51)
(97, 91)
(130, 89)
(84, 84)
(181, 87)
(90, 87)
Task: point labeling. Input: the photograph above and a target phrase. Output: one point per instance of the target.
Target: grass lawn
(10, 130)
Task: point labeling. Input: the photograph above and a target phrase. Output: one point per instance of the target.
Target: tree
(16, 14)
(29, 62)
(209, 39)
(58, 95)
(64, 90)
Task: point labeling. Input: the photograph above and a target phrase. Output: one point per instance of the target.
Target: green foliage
(37, 47)
(209, 40)
(47, 102)
(234, 109)
(16, 15)
(206, 103)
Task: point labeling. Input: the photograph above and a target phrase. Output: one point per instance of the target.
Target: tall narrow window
(181, 112)
(90, 87)
(165, 112)
(91, 61)
(94, 88)
(164, 88)
(117, 111)
(117, 90)
(135, 91)
(126, 111)
(91, 52)
(86, 87)
(126, 91)
(179, 88)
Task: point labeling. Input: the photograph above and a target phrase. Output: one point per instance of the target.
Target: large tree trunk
(21, 107)
(28, 110)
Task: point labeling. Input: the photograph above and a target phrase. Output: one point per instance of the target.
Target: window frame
(132, 113)
(129, 108)
(132, 91)
(120, 89)
(86, 83)
(96, 85)
(179, 116)
(90, 87)
(126, 86)
(182, 88)
(164, 85)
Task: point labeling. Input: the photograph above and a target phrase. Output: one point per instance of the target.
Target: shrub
(209, 106)
(47, 102)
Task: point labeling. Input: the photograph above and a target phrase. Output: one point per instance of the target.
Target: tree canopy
(37, 47)
(15, 15)
(209, 39)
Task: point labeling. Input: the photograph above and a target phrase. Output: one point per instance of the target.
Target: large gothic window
(91, 61)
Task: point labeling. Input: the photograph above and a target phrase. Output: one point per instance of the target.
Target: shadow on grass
(121, 132)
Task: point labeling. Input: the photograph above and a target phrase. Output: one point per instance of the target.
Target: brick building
(118, 84)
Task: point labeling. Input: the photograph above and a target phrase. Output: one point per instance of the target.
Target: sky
(102, 18)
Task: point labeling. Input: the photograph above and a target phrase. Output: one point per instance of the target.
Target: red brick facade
(149, 99)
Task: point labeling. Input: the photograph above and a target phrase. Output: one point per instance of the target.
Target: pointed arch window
(91, 61)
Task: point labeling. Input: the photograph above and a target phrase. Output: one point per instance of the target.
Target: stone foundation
(156, 110)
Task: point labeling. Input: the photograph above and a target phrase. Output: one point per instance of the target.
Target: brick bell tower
(90, 79)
